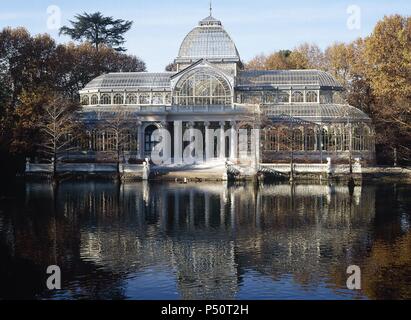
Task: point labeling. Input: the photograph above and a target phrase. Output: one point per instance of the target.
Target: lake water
(205, 241)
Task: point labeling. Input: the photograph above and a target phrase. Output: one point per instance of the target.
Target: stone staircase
(209, 171)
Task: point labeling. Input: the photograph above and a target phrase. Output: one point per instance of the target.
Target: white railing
(84, 168)
(38, 168)
(131, 168)
(314, 167)
(303, 168)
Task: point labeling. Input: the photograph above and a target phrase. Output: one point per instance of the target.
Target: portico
(219, 139)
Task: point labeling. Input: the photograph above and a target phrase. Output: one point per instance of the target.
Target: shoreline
(372, 174)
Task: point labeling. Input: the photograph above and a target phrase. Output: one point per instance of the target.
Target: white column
(209, 143)
(233, 141)
(257, 147)
(222, 140)
(178, 142)
(190, 127)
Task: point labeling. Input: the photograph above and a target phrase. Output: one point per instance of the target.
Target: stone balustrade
(84, 168)
(328, 167)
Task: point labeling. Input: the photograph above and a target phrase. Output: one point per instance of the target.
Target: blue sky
(256, 26)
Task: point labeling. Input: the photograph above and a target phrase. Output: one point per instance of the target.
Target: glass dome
(208, 40)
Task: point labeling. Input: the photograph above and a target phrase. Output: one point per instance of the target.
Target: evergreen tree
(98, 30)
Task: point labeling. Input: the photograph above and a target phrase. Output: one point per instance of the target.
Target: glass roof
(131, 80)
(250, 78)
(315, 113)
(208, 40)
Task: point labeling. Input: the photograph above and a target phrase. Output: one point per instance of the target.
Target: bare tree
(346, 114)
(59, 129)
(117, 127)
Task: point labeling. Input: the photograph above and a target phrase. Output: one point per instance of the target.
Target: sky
(256, 26)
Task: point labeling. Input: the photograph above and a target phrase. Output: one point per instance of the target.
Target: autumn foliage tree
(34, 67)
(376, 72)
(388, 70)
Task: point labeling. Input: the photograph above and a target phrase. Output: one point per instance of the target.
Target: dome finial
(211, 8)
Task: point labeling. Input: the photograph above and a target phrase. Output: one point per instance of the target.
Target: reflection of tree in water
(304, 236)
(386, 268)
(208, 235)
(39, 235)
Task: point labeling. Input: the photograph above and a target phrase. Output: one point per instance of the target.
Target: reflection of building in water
(206, 269)
(301, 230)
(205, 266)
(210, 234)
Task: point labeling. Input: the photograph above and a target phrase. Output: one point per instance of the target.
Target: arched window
(271, 139)
(283, 97)
(149, 144)
(203, 88)
(129, 140)
(105, 99)
(131, 98)
(297, 96)
(98, 140)
(158, 98)
(346, 138)
(357, 139)
(297, 140)
(85, 100)
(144, 98)
(94, 99)
(309, 140)
(332, 139)
(285, 139)
(367, 136)
(118, 98)
(110, 141)
(311, 96)
(269, 97)
(168, 98)
(323, 139)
